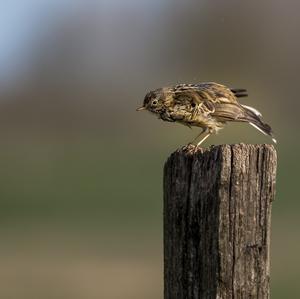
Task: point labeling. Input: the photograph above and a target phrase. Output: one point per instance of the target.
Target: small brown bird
(206, 105)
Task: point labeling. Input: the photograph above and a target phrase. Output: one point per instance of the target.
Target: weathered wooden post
(217, 217)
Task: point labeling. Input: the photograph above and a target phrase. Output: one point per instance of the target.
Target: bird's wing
(209, 90)
(210, 99)
(225, 111)
(215, 91)
(220, 102)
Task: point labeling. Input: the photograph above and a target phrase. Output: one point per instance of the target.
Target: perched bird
(206, 105)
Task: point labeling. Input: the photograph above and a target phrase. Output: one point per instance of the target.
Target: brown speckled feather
(207, 105)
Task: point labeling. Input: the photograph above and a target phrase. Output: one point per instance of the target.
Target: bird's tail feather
(254, 117)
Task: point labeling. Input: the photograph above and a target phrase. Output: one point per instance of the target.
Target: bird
(207, 105)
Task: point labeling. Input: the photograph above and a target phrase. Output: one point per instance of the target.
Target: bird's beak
(141, 108)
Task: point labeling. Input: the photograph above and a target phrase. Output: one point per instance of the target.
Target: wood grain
(217, 221)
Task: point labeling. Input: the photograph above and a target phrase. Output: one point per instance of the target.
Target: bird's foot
(191, 148)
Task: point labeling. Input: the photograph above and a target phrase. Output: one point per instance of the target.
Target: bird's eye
(193, 105)
(154, 102)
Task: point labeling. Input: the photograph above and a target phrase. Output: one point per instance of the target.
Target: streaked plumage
(207, 105)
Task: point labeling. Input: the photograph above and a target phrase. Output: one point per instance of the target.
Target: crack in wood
(217, 213)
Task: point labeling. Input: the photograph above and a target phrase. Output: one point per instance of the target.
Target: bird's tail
(254, 118)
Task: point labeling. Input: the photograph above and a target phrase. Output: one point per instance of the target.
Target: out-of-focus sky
(81, 170)
(23, 25)
(26, 24)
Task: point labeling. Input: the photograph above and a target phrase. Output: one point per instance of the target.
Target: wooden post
(217, 217)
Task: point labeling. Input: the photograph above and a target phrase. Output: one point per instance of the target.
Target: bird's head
(153, 101)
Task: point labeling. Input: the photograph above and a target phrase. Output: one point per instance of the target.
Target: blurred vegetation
(81, 171)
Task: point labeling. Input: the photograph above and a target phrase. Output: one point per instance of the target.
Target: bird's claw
(190, 147)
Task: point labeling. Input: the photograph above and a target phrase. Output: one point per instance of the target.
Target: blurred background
(81, 170)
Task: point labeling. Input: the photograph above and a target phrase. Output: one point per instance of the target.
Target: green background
(81, 170)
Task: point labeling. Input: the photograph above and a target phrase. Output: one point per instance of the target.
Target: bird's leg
(191, 143)
(208, 133)
(202, 132)
(205, 137)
